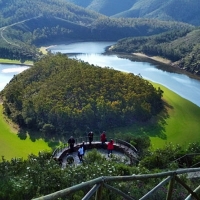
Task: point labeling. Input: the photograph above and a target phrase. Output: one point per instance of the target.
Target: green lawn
(12, 146)
(8, 61)
(181, 126)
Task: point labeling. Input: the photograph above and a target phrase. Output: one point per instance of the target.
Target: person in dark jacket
(71, 143)
(90, 137)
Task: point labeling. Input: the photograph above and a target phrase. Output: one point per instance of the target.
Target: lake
(7, 71)
(92, 52)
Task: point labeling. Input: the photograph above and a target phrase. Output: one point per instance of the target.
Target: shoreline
(165, 64)
(155, 58)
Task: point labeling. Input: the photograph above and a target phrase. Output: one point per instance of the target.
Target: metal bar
(127, 197)
(170, 189)
(194, 194)
(91, 192)
(155, 188)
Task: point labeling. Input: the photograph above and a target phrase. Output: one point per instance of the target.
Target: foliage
(60, 95)
(172, 156)
(41, 175)
(184, 11)
(141, 142)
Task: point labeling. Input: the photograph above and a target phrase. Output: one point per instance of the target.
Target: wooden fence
(98, 185)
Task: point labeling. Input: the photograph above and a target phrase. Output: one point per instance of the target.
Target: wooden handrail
(98, 183)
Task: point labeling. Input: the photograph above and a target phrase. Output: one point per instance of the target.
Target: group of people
(81, 148)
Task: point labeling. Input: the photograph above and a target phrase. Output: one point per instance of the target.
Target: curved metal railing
(57, 153)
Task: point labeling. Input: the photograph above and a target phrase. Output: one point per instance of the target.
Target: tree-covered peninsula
(59, 95)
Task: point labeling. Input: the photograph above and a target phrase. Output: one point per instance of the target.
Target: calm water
(91, 52)
(7, 72)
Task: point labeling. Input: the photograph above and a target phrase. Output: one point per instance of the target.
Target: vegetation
(161, 129)
(28, 179)
(184, 11)
(60, 95)
(23, 29)
(181, 47)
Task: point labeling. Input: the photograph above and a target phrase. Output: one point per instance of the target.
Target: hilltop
(183, 11)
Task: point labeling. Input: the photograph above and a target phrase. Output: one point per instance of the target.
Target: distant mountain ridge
(26, 24)
(173, 10)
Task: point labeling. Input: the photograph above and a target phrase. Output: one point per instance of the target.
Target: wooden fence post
(170, 189)
(99, 192)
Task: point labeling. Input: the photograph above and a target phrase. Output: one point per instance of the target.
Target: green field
(178, 123)
(8, 61)
(12, 146)
(181, 125)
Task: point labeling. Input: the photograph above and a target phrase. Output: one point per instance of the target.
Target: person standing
(103, 138)
(84, 148)
(110, 147)
(90, 137)
(80, 153)
(71, 143)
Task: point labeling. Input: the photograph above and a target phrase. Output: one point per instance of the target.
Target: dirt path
(2, 29)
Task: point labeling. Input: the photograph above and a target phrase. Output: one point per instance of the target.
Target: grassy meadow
(178, 123)
(12, 146)
(181, 124)
(8, 61)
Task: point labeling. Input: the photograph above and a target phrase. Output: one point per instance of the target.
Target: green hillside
(23, 29)
(182, 124)
(183, 11)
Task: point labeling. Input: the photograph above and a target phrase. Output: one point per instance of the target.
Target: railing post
(99, 193)
(170, 189)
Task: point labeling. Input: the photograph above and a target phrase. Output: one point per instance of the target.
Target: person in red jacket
(103, 138)
(110, 147)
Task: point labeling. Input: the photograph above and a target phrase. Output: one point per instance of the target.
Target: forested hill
(181, 47)
(173, 10)
(25, 24)
(59, 95)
